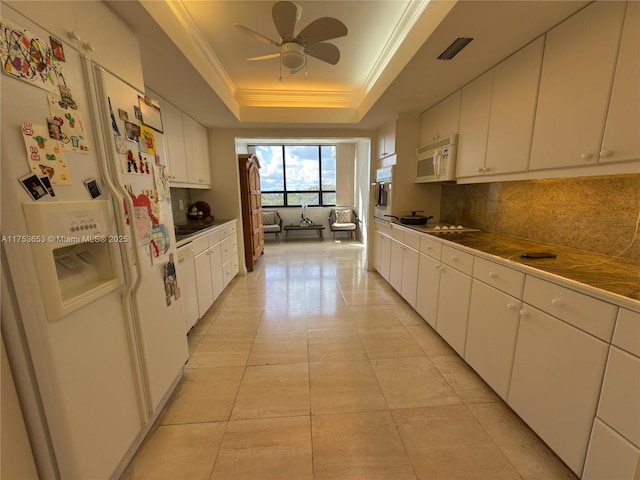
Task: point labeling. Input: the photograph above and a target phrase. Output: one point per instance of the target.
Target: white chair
(343, 219)
(272, 223)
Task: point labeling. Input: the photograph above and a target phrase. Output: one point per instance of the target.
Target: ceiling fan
(294, 48)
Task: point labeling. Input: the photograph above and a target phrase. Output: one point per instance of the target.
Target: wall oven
(382, 194)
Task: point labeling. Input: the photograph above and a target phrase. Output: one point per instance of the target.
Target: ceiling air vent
(453, 49)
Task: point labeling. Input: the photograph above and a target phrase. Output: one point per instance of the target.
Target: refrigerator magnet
(93, 188)
(33, 185)
(132, 131)
(72, 135)
(147, 140)
(28, 58)
(46, 181)
(151, 115)
(57, 48)
(44, 154)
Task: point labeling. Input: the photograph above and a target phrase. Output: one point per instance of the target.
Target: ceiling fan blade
(327, 52)
(322, 29)
(263, 57)
(256, 35)
(284, 16)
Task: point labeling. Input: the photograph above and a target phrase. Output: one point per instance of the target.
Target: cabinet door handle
(88, 47)
(586, 156)
(524, 313)
(454, 258)
(605, 153)
(557, 302)
(493, 275)
(512, 306)
(73, 35)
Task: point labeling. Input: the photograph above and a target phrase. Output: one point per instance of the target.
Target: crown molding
(409, 18)
(297, 98)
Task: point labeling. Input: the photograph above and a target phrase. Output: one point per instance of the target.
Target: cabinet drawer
(229, 248)
(412, 239)
(457, 259)
(430, 246)
(199, 245)
(498, 276)
(587, 313)
(627, 334)
(227, 229)
(397, 233)
(214, 237)
(610, 455)
(620, 397)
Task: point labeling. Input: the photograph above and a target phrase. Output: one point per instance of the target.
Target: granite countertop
(186, 238)
(614, 275)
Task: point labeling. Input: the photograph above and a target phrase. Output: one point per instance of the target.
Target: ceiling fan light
(292, 55)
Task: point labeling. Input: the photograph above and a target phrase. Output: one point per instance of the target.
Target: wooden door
(251, 208)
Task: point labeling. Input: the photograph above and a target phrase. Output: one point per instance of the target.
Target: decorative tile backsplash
(598, 214)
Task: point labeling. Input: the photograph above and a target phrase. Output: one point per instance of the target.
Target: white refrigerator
(91, 309)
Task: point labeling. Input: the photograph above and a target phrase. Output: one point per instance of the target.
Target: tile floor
(312, 367)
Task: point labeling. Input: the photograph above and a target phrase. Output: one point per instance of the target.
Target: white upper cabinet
(513, 109)
(387, 139)
(196, 147)
(176, 161)
(441, 120)
(475, 108)
(575, 85)
(93, 29)
(622, 132)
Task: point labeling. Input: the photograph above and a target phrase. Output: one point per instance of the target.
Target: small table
(317, 228)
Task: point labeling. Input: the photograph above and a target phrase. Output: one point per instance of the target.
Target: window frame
(284, 193)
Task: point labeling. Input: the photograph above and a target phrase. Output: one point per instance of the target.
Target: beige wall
(597, 214)
(345, 171)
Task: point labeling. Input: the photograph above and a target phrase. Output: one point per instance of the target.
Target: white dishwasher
(187, 285)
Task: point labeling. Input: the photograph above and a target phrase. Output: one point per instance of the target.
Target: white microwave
(436, 162)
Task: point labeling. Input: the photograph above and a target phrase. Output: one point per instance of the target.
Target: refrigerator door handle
(99, 108)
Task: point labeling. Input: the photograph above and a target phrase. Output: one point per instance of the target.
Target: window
(294, 175)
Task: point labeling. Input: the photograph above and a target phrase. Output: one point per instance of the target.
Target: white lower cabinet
(542, 345)
(187, 282)
(614, 449)
(428, 288)
(215, 263)
(454, 296)
(453, 307)
(555, 384)
(385, 256)
(494, 317)
(217, 274)
(395, 268)
(610, 456)
(410, 260)
(204, 285)
(229, 259)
